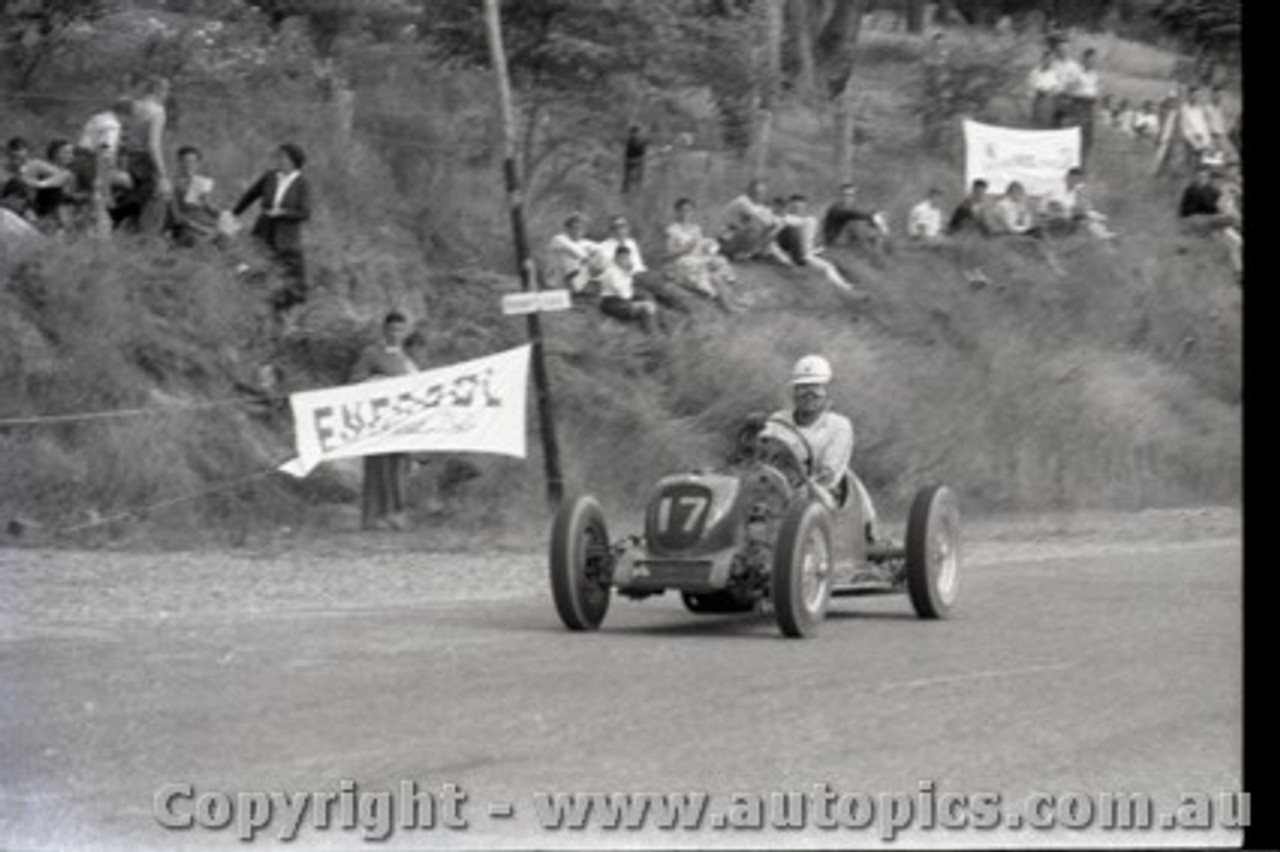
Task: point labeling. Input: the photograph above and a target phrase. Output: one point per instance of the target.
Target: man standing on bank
(285, 198)
(386, 477)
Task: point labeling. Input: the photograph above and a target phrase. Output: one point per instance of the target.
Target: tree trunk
(915, 16)
(838, 41)
(802, 26)
(764, 134)
(774, 28)
(841, 27)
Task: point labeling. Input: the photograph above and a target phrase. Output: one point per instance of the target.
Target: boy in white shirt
(924, 222)
(618, 295)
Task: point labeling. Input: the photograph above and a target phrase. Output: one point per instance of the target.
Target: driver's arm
(835, 453)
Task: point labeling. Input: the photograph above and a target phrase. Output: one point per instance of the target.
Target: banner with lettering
(476, 406)
(1038, 159)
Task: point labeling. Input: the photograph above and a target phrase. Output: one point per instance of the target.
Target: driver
(830, 436)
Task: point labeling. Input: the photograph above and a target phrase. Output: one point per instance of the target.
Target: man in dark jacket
(285, 198)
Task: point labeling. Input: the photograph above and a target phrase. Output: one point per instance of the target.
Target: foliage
(974, 74)
(32, 30)
(1212, 25)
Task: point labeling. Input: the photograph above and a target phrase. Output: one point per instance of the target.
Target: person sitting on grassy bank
(1012, 214)
(192, 216)
(847, 220)
(695, 261)
(749, 225)
(973, 214)
(1069, 209)
(799, 239)
(1208, 208)
(924, 222)
(25, 177)
(618, 298)
(650, 281)
(572, 256)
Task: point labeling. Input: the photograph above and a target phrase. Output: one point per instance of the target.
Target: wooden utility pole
(528, 278)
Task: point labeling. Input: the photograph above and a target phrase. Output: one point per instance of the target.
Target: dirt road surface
(1095, 656)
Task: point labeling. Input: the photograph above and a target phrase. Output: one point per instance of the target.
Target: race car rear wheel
(715, 603)
(933, 551)
(802, 569)
(579, 558)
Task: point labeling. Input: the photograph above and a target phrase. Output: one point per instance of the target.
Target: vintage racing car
(757, 534)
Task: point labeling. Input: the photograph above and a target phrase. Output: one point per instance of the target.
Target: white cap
(811, 370)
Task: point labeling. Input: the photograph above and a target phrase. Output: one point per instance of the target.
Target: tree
(31, 31)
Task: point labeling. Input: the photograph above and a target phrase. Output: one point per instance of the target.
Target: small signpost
(536, 302)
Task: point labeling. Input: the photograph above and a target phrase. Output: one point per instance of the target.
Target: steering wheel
(779, 454)
(754, 446)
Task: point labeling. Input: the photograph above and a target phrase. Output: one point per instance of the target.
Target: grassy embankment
(1112, 383)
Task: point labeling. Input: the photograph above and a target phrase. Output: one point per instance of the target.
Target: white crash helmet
(811, 370)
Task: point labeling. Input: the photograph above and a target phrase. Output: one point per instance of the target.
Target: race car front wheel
(579, 559)
(802, 566)
(933, 551)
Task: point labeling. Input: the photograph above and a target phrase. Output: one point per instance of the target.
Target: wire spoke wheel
(933, 551)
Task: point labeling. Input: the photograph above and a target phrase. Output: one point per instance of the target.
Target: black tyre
(802, 569)
(579, 554)
(714, 603)
(933, 551)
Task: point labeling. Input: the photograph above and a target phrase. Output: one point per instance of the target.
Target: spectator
(633, 160)
(1068, 208)
(59, 197)
(696, 262)
(847, 219)
(620, 235)
(1209, 207)
(572, 256)
(801, 242)
(143, 205)
(750, 226)
(618, 297)
(1068, 72)
(1217, 122)
(650, 282)
(285, 199)
(30, 186)
(17, 192)
(192, 216)
(1122, 118)
(1146, 121)
(936, 60)
(1082, 89)
(97, 162)
(1201, 197)
(1046, 87)
(1193, 126)
(924, 222)
(1013, 214)
(973, 214)
(384, 500)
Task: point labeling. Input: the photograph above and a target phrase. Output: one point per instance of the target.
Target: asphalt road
(1114, 667)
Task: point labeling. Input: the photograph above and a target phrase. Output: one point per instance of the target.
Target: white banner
(475, 406)
(1038, 159)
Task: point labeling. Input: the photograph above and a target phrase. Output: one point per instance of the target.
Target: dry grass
(1039, 392)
